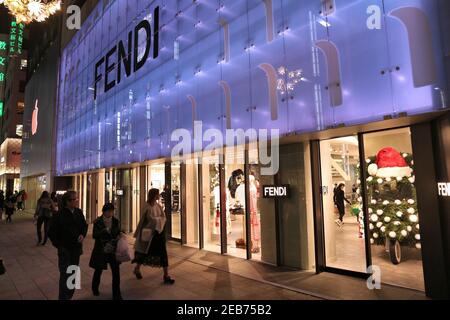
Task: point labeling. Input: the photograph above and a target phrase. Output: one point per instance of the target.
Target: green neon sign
(16, 38)
(1, 108)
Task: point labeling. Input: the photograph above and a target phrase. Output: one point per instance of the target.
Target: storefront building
(353, 88)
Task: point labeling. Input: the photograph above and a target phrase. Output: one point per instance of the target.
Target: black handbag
(238, 211)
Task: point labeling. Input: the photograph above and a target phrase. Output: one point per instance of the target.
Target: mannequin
(254, 219)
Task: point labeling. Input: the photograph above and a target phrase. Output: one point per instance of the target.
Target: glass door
(176, 209)
(394, 220)
(343, 217)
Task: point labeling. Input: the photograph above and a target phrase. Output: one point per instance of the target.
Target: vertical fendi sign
(128, 55)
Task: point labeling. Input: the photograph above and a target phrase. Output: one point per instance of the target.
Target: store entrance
(369, 207)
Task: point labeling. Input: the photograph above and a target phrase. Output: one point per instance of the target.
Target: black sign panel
(282, 191)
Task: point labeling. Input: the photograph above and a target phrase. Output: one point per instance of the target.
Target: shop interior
(342, 198)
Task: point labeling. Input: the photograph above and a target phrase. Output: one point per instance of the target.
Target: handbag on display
(146, 234)
(237, 210)
(240, 244)
(123, 253)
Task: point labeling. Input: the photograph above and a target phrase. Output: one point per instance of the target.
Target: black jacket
(66, 227)
(340, 198)
(102, 236)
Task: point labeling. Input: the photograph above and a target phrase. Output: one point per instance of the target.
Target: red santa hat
(390, 163)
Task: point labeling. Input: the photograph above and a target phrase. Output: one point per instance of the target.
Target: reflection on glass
(343, 216)
(255, 211)
(393, 215)
(235, 204)
(176, 198)
(211, 204)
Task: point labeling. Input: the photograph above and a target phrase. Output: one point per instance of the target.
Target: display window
(394, 219)
(375, 170)
(211, 204)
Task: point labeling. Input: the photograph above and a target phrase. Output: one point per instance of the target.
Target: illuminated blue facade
(297, 66)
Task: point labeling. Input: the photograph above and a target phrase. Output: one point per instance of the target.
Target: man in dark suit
(68, 229)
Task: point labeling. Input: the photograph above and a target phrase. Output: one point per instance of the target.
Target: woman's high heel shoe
(168, 280)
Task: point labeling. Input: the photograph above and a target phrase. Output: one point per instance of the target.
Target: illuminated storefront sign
(276, 191)
(234, 67)
(16, 38)
(444, 189)
(125, 56)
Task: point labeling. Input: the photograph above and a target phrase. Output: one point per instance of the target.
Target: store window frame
(427, 198)
(319, 226)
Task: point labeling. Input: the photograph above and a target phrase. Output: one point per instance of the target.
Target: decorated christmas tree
(392, 204)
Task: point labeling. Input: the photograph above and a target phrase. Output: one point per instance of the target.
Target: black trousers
(40, 221)
(341, 208)
(115, 269)
(66, 258)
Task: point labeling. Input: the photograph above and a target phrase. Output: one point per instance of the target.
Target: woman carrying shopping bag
(150, 245)
(106, 234)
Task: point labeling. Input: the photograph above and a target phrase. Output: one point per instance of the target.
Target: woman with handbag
(106, 234)
(43, 214)
(150, 245)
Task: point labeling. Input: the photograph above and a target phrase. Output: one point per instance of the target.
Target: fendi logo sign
(276, 191)
(128, 55)
(444, 189)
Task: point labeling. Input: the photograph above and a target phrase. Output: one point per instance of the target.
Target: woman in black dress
(150, 245)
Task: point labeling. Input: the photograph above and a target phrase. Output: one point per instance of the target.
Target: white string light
(27, 11)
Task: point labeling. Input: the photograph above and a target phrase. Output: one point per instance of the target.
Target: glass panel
(191, 208)
(156, 178)
(417, 75)
(343, 217)
(394, 219)
(235, 203)
(365, 92)
(211, 204)
(176, 198)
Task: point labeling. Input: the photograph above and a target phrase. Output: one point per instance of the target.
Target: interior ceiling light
(27, 11)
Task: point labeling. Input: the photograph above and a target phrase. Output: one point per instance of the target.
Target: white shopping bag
(123, 251)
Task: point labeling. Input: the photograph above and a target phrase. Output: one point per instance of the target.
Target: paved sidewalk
(32, 274)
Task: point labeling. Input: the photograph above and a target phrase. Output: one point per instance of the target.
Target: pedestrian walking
(339, 200)
(2, 204)
(19, 200)
(10, 205)
(106, 234)
(150, 245)
(43, 214)
(68, 229)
